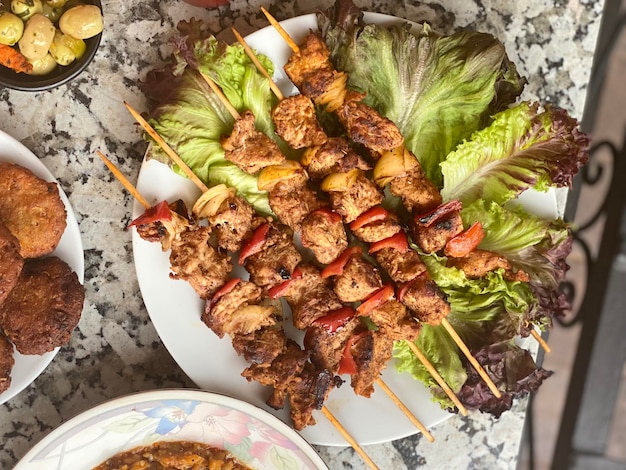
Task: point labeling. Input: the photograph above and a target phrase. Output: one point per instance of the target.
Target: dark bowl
(60, 75)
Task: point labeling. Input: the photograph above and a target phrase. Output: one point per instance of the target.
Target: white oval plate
(211, 363)
(70, 249)
(252, 435)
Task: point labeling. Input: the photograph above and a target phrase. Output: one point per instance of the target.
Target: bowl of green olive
(46, 43)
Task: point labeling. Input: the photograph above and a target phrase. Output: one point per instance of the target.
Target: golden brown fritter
(32, 209)
(6, 362)
(44, 307)
(11, 262)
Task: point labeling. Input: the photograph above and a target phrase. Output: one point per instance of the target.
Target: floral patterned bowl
(254, 436)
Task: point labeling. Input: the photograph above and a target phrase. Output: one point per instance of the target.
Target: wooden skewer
(418, 424)
(122, 179)
(540, 340)
(220, 94)
(165, 146)
(349, 438)
(438, 378)
(274, 22)
(463, 347)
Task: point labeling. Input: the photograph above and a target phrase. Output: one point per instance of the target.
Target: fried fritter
(44, 307)
(32, 209)
(6, 362)
(11, 262)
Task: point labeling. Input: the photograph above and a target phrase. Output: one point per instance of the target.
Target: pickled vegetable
(82, 21)
(37, 37)
(66, 49)
(11, 28)
(26, 9)
(43, 66)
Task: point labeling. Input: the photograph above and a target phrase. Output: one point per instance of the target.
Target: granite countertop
(115, 349)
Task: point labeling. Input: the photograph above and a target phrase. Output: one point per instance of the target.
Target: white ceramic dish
(210, 362)
(252, 435)
(70, 249)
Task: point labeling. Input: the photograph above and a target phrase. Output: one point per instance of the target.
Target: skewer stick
(258, 65)
(349, 438)
(274, 22)
(438, 378)
(463, 347)
(122, 179)
(165, 146)
(220, 94)
(540, 340)
(418, 424)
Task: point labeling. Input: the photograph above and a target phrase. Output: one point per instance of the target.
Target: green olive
(82, 21)
(43, 66)
(25, 9)
(53, 14)
(37, 37)
(66, 49)
(11, 28)
(56, 3)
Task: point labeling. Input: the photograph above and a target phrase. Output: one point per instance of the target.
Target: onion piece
(392, 164)
(209, 203)
(339, 182)
(273, 174)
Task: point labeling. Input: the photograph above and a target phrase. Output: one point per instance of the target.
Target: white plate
(211, 363)
(249, 433)
(70, 249)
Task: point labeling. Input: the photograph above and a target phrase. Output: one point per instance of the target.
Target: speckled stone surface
(115, 350)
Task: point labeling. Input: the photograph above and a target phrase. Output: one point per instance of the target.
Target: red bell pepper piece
(335, 319)
(429, 218)
(377, 299)
(280, 289)
(374, 214)
(328, 212)
(465, 242)
(255, 243)
(225, 289)
(398, 242)
(346, 363)
(336, 267)
(159, 212)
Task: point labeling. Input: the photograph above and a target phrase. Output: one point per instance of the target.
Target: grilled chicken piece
(262, 345)
(424, 298)
(379, 229)
(417, 192)
(194, 260)
(313, 56)
(395, 321)
(164, 232)
(479, 262)
(359, 280)
(434, 237)
(315, 303)
(292, 200)
(309, 280)
(275, 262)
(233, 222)
(326, 348)
(361, 196)
(336, 155)
(248, 148)
(296, 122)
(324, 234)
(370, 354)
(237, 312)
(326, 87)
(366, 127)
(400, 266)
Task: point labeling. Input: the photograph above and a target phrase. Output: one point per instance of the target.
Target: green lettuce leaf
(523, 148)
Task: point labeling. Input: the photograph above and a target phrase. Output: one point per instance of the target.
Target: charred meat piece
(309, 280)
(296, 122)
(44, 307)
(434, 237)
(361, 196)
(232, 223)
(292, 200)
(248, 148)
(326, 87)
(395, 321)
(313, 56)
(324, 234)
(162, 233)
(424, 298)
(370, 353)
(359, 280)
(315, 303)
(275, 262)
(400, 266)
(260, 346)
(366, 126)
(326, 347)
(336, 155)
(479, 262)
(194, 260)
(417, 192)
(227, 315)
(378, 229)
